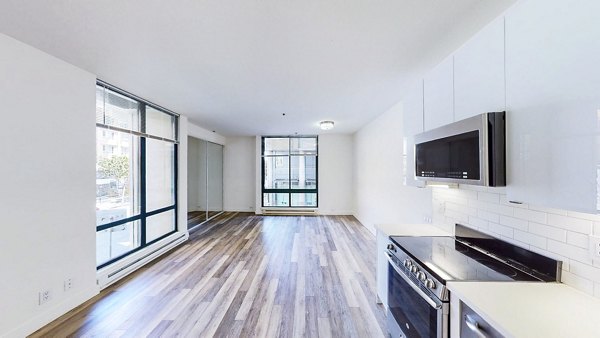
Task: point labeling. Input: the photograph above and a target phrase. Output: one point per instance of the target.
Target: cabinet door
(413, 124)
(439, 95)
(382, 268)
(553, 103)
(479, 73)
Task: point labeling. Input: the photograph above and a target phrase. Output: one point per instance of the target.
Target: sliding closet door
(197, 179)
(215, 178)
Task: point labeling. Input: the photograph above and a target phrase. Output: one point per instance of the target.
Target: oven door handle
(420, 292)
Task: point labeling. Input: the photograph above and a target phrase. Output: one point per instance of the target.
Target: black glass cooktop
(449, 260)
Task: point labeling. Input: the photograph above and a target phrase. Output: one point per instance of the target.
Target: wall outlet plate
(594, 248)
(68, 284)
(44, 296)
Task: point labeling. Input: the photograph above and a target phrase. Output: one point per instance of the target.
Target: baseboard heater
(114, 276)
(289, 212)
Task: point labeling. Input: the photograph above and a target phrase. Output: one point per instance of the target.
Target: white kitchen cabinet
(439, 95)
(382, 267)
(553, 103)
(479, 73)
(413, 124)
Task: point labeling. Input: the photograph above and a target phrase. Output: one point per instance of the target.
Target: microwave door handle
(412, 285)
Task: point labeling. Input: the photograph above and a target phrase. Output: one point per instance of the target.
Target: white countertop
(522, 309)
(425, 229)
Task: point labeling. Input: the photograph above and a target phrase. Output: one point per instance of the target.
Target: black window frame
(289, 190)
(144, 214)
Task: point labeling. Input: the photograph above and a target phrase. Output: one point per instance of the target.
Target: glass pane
(117, 176)
(159, 225)
(121, 111)
(304, 145)
(277, 172)
(99, 104)
(159, 123)
(304, 172)
(116, 241)
(276, 200)
(160, 174)
(277, 146)
(304, 200)
(215, 178)
(197, 203)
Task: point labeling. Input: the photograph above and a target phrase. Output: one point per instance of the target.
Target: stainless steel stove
(420, 267)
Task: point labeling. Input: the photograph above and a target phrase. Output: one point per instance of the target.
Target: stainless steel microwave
(470, 151)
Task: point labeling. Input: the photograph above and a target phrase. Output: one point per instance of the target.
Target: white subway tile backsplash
(568, 250)
(573, 224)
(560, 234)
(458, 216)
(488, 216)
(548, 231)
(577, 282)
(531, 239)
(488, 197)
(501, 229)
(530, 215)
(513, 222)
(585, 271)
(578, 239)
(596, 229)
(478, 222)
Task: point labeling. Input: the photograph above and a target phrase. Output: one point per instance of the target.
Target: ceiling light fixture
(326, 125)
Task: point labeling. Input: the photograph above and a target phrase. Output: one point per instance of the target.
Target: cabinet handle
(474, 326)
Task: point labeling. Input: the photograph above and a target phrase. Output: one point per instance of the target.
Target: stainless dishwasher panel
(473, 326)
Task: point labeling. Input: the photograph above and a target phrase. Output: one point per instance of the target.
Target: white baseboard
(52, 313)
(115, 272)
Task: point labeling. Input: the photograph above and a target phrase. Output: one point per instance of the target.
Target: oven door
(412, 311)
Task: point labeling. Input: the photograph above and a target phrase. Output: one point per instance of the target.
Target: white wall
(239, 174)
(380, 196)
(335, 174)
(47, 142)
(556, 233)
(196, 131)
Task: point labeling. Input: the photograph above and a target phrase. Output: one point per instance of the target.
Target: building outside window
(290, 171)
(136, 183)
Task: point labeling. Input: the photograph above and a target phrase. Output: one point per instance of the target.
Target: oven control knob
(430, 284)
(414, 269)
(407, 263)
(391, 247)
(421, 276)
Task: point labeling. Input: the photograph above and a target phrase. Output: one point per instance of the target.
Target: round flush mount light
(326, 125)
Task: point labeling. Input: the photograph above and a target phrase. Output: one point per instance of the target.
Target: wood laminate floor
(242, 275)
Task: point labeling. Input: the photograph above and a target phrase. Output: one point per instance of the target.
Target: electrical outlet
(68, 284)
(44, 296)
(427, 219)
(595, 248)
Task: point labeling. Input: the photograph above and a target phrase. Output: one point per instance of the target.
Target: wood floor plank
(243, 275)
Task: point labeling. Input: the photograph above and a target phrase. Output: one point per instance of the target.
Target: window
(136, 174)
(289, 171)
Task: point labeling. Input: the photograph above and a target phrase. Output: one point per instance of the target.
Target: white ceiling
(234, 66)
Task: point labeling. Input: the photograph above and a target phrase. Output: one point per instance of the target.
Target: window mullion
(143, 188)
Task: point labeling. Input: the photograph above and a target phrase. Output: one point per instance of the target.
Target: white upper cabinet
(479, 73)
(553, 103)
(439, 95)
(413, 124)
